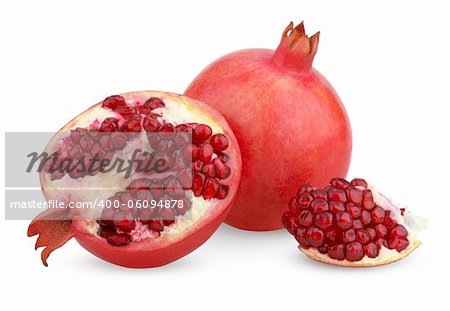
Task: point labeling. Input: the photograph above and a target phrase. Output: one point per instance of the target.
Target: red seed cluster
(343, 221)
(201, 165)
(120, 219)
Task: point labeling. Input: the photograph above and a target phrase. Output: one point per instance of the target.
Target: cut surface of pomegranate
(351, 224)
(200, 180)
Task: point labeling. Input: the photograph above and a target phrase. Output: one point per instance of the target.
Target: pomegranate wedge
(351, 224)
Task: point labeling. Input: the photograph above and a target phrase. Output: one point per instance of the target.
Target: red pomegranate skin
(289, 121)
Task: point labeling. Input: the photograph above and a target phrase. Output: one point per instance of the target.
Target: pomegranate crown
(296, 50)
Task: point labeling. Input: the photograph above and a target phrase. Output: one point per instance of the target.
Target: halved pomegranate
(351, 224)
(201, 182)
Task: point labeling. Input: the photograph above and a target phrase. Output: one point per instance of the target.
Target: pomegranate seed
(371, 250)
(358, 182)
(201, 133)
(114, 102)
(365, 217)
(119, 140)
(389, 222)
(381, 230)
(398, 231)
(339, 183)
(337, 252)
(205, 153)
(319, 205)
(305, 218)
(189, 153)
(314, 236)
(402, 244)
(293, 205)
(357, 224)
(126, 111)
(210, 188)
(222, 192)
(106, 232)
(372, 233)
(354, 195)
(183, 128)
(209, 170)
(166, 128)
(120, 239)
(354, 251)
(349, 236)
(133, 125)
(319, 194)
(336, 206)
(362, 236)
(109, 125)
(150, 124)
(323, 249)
(331, 235)
(324, 220)
(219, 142)
(197, 184)
(97, 151)
(300, 235)
(353, 209)
(222, 157)
(378, 215)
(335, 194)
(156, 225)
(197, 166)
(343, 220)
(304, 189)
(222, 170)
(289, 220)
(124, 222)
(106, 143)
(154, 103)
(86, 142)
(368, 205)
(75, 152)
(304, 200)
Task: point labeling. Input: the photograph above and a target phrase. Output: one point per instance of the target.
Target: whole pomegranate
(289, 122)
(148, 217)
(351, 224)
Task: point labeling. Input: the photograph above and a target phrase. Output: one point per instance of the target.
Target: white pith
(413, 224)
(175, 112)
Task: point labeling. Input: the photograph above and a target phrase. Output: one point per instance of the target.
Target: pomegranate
(351, 224)
(202, 179)
(289, 122)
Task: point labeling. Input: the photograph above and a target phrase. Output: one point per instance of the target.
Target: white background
(387, 60)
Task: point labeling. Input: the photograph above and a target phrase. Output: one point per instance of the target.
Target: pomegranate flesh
(288, 119)
(201, 183)
(351, 224)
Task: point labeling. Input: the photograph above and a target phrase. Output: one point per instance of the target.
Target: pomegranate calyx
(296, 50)
(54, 230)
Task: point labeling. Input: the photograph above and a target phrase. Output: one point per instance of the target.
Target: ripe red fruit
(290, 123)
(114, 129)
(348, 234)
